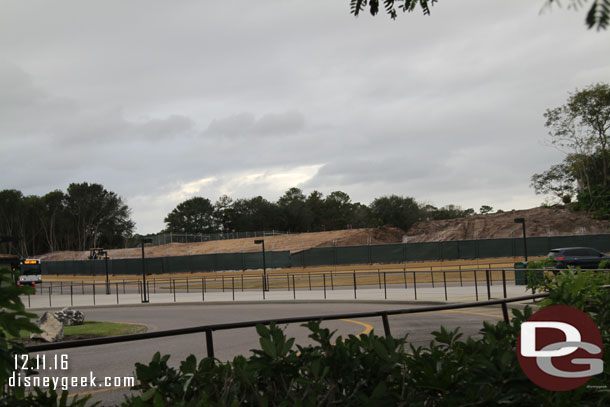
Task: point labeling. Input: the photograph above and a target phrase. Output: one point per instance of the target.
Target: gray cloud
(211, 98)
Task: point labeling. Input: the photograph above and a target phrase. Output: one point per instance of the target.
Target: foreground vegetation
(353, 371)
(373, 370)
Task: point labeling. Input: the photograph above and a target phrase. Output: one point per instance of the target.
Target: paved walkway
(424, 293)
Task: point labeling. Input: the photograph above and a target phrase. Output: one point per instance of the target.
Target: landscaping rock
(51, 327)
(70, 317)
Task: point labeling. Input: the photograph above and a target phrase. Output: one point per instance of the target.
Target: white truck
(30, 272)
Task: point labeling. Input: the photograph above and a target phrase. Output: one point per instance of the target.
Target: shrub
(372, 370)
(13, 320)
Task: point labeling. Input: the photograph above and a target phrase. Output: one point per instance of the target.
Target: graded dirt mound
(293, 243)
(553, 221)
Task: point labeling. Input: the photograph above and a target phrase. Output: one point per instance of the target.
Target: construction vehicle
(97, 253)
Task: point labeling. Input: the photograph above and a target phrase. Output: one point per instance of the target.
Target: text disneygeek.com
(28, 367)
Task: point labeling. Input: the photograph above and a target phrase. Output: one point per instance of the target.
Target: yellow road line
(367, 328)
(86, 393)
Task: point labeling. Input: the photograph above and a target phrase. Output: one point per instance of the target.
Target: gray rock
(51, 327)
(70, 317)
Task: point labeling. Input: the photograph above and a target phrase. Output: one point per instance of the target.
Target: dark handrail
(208, 329)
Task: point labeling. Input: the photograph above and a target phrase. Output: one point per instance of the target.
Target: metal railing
(209, 329)
(323, 281)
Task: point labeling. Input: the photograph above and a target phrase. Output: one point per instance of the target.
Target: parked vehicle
(583, 257)
(30, 272)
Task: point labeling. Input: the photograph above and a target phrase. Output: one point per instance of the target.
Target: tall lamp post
(265, 284)
(144, 293)
(522, 221)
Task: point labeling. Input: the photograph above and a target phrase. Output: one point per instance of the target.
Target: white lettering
(528, 338)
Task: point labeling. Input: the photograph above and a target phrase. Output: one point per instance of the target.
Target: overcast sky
(161, 101)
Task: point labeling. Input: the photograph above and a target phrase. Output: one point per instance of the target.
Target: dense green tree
(485, 209)
(581, 129)
(338, 210)
(86, 215)
(193, 216)
(223, 209)
(315, 204)
(296, 215)
(99, 216)
(394, 210)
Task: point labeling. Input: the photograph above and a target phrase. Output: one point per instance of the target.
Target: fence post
(504, 282)
(354, 284)
(83, 286)
(263, 285)
(174, 283)
(154, 285)
(309, 275)
(202, 290)
(324, 276)
(385, 288)
(461, 285)
(71, 295)
(332, 281)
(287, 281)
(223, 283)
(242, 282)
(404, 274)
(476, 285)
(93, 292)
(117, 292)
(379, 278)
(61, 288)
(49, 296)
(505, 313)
(187, 285)
(487, 280)
(123, 287)
(432, 276)
(414, 285)
(209, 343)
(386, 325)
(233, 287)
(445, 284)
(294, 289)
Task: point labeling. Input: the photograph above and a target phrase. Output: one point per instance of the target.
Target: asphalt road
(117, 361)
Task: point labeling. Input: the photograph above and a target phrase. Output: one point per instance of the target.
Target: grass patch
(96, 329)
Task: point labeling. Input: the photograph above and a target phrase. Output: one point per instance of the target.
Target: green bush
(13, 320)
(372, 370)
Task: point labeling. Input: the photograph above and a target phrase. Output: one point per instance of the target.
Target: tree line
(85, 216)
(296, 212)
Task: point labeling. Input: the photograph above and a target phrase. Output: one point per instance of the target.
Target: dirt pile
(553, 221)
(293, 243)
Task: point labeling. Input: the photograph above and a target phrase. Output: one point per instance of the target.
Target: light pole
(265, 284)
(105, 254)
(522, 221)
(144, 294)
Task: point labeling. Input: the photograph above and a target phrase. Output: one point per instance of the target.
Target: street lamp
(265, 283)
(144, 294)
(522, 221)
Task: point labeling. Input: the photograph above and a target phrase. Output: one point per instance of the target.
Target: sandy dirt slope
(293, 243)
(553, 221)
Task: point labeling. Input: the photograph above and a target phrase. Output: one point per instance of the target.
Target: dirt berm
(554, 221)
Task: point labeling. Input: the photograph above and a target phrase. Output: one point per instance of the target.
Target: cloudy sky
(160, 101)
